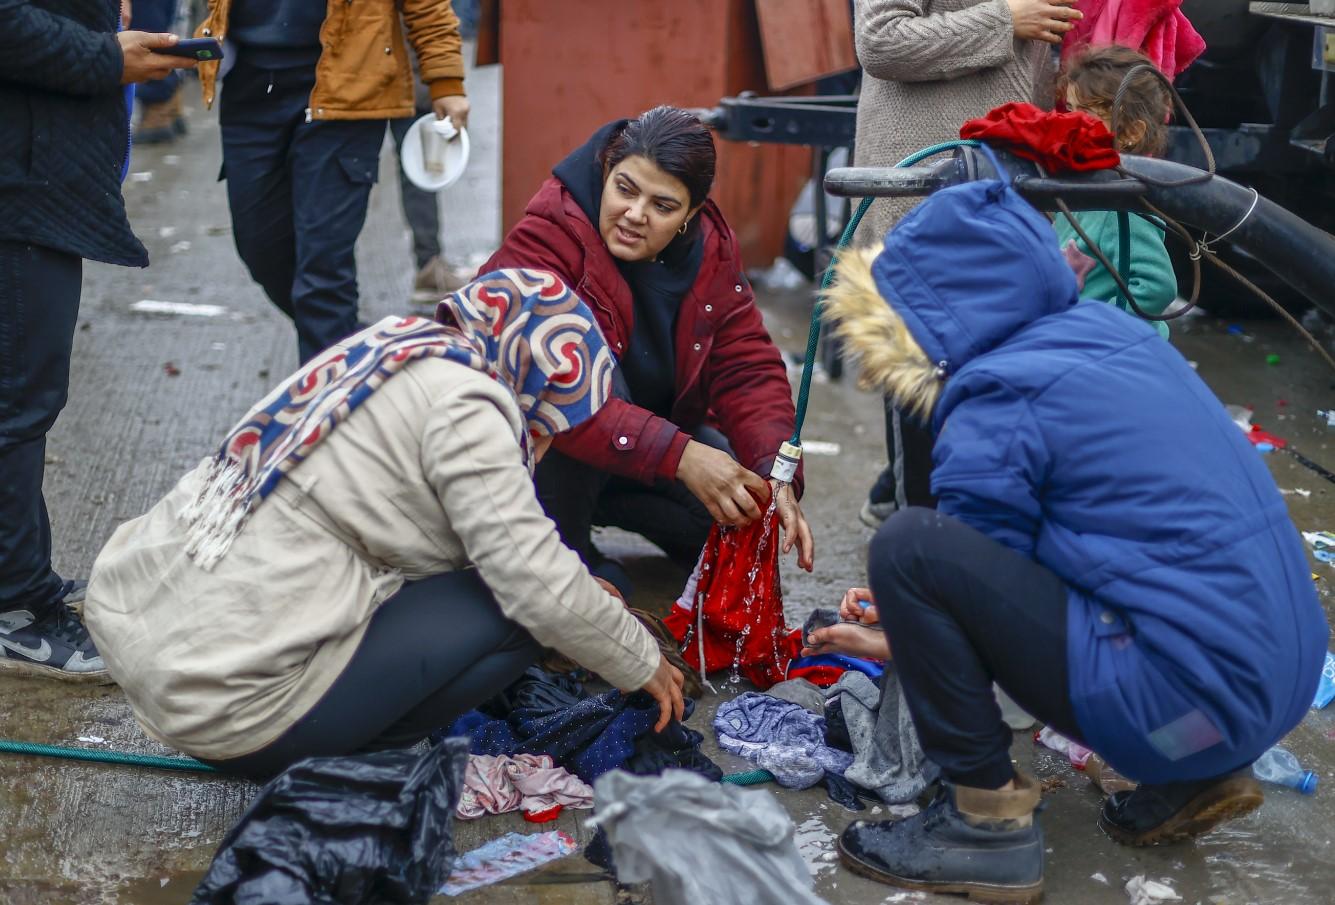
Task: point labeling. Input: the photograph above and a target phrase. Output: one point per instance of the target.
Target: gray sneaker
(872, 514)
(55, 645)
(433, 282)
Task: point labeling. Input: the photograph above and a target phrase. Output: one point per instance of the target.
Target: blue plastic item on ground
(1325, 689)
(1280, 767)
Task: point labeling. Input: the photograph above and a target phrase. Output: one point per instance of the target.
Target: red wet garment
(1060, 142)
(737, 590)
(1157, 28)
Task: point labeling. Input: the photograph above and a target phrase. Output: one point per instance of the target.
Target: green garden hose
(106, 757)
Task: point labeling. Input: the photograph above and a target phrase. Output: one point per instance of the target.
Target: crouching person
(1156, 607)
(365, 558)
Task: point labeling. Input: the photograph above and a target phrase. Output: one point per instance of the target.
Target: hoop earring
(685, 223)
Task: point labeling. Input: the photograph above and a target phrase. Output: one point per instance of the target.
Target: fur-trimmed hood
(961, 273)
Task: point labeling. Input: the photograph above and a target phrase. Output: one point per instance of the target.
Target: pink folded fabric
(528, 782)
(1157, 28)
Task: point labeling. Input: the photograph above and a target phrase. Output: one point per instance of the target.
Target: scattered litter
(166, 232)
(1241, 415)
(1077, 754)
(1265, 447)
(1297, 491)
(1272, 359)
(1280, 767)
(170, 369)
(178, 247)
(93, 739)
(1323, 545)
(1325, 689)
(1195, 366)
(143, 176)
(217, 230)
(697, 841)
(1327, 416)
(163, 881)
(217, 347)
(1100, 878)
(821, 448)
(171, 160)
(155, 306)
(1149, 892)
(1052, 783)
(506, 857)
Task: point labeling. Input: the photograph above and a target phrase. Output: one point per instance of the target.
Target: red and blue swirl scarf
(525, 328)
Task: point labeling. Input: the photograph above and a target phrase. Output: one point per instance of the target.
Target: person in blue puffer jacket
(1157, 608)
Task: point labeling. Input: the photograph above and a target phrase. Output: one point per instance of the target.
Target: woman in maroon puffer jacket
(703, 400)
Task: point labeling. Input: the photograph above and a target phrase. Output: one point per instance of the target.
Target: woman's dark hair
(1098, 74)
(672, 139)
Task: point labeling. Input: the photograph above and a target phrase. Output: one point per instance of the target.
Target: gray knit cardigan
(928, 67)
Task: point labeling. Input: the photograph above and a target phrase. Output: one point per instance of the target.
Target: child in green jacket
(1090, 83)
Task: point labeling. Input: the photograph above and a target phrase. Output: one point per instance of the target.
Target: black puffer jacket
(64, 129)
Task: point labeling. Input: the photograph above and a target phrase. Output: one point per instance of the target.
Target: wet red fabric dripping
(740, 592)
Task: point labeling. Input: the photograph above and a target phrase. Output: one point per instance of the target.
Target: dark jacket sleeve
(622, 438)
(748, 389)
(43, 50)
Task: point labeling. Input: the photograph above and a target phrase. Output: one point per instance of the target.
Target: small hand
(1043, 20)
(868, 642)
(795, 527)
(726, 489)
(455, 106)
(140, 64)
(857, 606)
(665, 688)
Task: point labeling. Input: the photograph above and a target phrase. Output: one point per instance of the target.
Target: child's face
(1132, 133)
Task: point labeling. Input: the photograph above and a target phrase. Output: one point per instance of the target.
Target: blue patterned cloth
(779, 736)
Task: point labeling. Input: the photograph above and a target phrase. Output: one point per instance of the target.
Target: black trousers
(39, 307)
(961, 611)
(420, 208)
(437, 648)
(577, 496)
(298, 193)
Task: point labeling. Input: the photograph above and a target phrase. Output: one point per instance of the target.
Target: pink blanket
(1157, 28)
(531, 782)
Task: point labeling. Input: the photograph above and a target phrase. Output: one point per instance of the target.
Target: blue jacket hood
(969, 267)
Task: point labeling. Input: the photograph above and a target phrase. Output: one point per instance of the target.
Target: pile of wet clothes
(589, 735)
(855, 736)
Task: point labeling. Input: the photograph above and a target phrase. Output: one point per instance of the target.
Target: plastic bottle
(1279, 766)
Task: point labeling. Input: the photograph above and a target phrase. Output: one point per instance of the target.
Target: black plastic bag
(344, 831)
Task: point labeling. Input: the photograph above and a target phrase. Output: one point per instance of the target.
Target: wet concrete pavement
(152, 393)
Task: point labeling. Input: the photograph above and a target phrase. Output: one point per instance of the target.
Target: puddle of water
(815, 843)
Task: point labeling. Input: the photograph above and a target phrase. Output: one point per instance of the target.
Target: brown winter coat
(363, 72)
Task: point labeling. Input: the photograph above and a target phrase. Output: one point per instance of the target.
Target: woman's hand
(1043, 20)
(795, 527)
(138, 61)
(727, 490)
(866, 641)
(665, 688)
(454, 107)
(859, 606)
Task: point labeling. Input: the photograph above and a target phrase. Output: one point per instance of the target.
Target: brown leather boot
(160, 123)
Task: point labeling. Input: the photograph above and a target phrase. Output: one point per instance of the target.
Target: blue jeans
(155, 16)
(39, 306)
(298, 193)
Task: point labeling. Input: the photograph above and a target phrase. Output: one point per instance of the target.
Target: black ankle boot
(976, 842)
(1169, 812)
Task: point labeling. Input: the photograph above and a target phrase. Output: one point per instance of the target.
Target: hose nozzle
(785, 463)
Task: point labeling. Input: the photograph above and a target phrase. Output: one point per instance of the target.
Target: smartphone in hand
(202, 49)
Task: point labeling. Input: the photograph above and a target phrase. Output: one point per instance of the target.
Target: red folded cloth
(1157, 28)
(1061, 142)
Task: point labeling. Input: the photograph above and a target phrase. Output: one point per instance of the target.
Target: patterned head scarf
(524, 328)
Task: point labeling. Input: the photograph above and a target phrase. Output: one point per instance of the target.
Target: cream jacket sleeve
(471, 457)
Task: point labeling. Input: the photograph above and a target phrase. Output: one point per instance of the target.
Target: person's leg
(39, 307)
(334, 164)
(435, 649)
(420, 208)
(667, 514)
(259, 113)
(156, 16)
(959, 611)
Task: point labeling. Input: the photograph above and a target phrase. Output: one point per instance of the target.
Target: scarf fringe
(218, 513)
